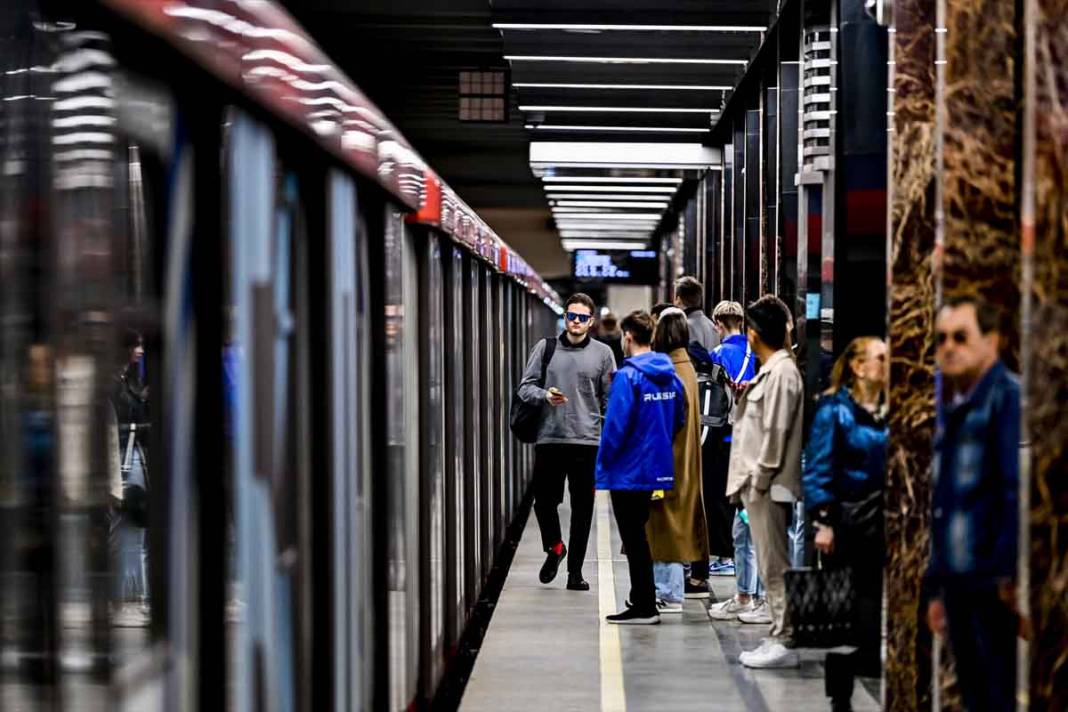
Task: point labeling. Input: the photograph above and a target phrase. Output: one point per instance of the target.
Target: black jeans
(841, 670)
(719, 512)
(632, 512)
(982, 635)
(552, 463)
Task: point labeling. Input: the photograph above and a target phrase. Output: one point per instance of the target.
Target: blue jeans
(669, 577)
(745, 564)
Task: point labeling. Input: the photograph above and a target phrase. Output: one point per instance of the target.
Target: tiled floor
(543, 650)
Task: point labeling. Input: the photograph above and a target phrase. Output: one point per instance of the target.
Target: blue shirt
(731, 355)
(646, 407)
(974, 516)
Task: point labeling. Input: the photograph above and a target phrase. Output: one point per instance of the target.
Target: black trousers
(632, 512)
(719, 512)
(553, 463)
(866, 560)
(982, 635)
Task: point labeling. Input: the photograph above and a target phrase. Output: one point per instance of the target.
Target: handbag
(819, 605)
(524, 418)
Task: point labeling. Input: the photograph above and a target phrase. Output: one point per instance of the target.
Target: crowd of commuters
(694, 494)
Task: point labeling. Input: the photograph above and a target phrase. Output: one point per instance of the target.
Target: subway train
(256, 360)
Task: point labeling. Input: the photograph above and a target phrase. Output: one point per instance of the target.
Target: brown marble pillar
(1044, 230)
(911, 296)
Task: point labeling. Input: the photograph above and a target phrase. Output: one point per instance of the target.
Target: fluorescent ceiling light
(612, 188)
(651, 199)
(626, 28)
(572, 245)
(605, 204)
(625, 87)
(619, 60)
(566, 215)
(625, 129)
(619, 109)
(608, 179)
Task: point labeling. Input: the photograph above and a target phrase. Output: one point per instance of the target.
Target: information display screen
(617, 266)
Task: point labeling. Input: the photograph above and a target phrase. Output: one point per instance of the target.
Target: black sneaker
(633, 616)
(575, 582)
(696, 590)
(552, 563)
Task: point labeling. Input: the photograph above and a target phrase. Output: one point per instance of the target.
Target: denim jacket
(845, 460)
(974, 516)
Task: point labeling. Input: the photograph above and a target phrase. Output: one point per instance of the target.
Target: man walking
(647, 406)
(689, 296)
(765, 467)
(974, 517)
(574, 396)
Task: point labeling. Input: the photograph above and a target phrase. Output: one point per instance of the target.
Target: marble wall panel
(911, 308)
(1045, 249)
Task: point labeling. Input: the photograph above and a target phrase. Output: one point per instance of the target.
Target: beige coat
(766, 442)
(677, 530)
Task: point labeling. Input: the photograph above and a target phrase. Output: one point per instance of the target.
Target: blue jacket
(845, 460)
(730, 354)
(646, 407)
(974, 516)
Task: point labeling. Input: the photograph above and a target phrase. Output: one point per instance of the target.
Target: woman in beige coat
(677, 530)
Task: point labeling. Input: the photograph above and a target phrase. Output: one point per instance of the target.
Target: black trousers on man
(719, 512)
(631, 508)
(982, 635)
(552, 464)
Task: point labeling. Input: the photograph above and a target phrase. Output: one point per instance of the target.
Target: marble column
(1044, 231)
(911, 300)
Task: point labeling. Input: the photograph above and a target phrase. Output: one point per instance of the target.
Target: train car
(256, 359)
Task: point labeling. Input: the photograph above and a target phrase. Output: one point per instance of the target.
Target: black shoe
(552, 563)
(575, 582)
(843, 704)
(696, 590)
(633, 616)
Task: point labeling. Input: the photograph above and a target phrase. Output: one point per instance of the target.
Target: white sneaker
(131, 615)
(729, 610)
(663, 607)
(758, 614)
(770, 654)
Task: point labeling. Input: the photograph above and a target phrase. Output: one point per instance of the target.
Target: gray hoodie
(701, 329)
(583, 373)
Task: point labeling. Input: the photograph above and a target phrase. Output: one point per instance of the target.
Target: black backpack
(713, 391)
(524, 418)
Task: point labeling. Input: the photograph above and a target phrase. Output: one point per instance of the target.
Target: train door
(472, 355)
(455, 460)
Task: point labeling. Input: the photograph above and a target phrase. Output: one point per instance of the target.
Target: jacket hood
(657, 367)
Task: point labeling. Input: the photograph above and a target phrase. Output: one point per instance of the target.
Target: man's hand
(824, 538)
(936, 617)
(555, 397)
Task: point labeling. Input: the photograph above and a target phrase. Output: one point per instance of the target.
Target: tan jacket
(766, 442)
(676, 528)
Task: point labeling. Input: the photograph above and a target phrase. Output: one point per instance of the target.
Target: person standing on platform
(765, 467)
(608, 333)
(844, 472)
(574, 395)
(971, 577)
(646, 408)
(677, 530)
(689, 296)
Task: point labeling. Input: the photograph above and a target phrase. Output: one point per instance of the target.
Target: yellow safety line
(613, 698)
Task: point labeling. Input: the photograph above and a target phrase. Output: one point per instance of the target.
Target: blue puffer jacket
(845, 460)
(646, 407)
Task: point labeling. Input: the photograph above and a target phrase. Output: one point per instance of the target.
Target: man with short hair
(971, 576)
(646, 407)
(689, 296)
(574, 396)
(765, 467)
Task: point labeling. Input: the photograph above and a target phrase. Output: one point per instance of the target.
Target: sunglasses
(580, 318)
(960, 337)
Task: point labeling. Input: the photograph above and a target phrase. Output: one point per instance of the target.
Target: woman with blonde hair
(677, 530)
(845, 466)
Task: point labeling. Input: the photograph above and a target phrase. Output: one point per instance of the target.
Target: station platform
(548, 648)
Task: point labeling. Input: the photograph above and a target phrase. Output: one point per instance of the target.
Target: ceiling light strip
(625, 87)
(612, 188)
(619, 109)
(626, 28)
(572, 245)
(621, 60)
(605, 204)
(608, 179)
(624, 129)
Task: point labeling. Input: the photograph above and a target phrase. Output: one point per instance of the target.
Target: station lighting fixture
(625, 87)
(625, 28)
(611, 188)
(640, 229)
(572, 245)
(608, 179)
(605, 204)
(568, 215)
(650, 199)
(619, 60)
(625, 129)
(620, 109)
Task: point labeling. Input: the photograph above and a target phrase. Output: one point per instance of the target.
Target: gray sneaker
(757, 615)
(729, 610)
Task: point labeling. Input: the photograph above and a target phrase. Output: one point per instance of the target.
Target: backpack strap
(745, 362)
(547, 356)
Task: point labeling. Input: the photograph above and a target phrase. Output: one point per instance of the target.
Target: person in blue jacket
(646, 407)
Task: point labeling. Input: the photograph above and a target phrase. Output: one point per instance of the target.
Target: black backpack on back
(524, 418)
(713, 391)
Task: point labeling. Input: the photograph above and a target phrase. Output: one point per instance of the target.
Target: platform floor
(548, 648)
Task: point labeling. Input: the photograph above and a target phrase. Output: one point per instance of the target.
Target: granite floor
(546, 648)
